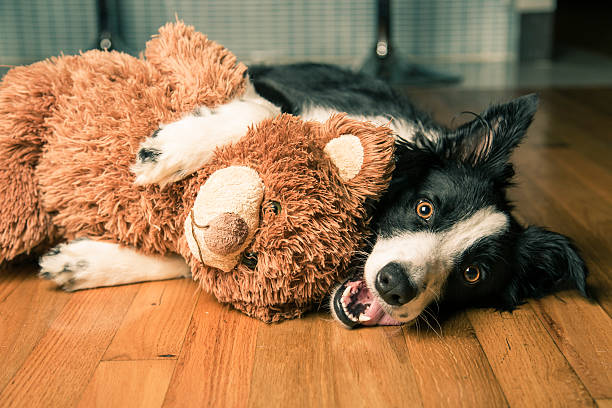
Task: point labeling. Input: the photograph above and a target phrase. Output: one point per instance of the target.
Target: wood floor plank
(11, 279)
(287, 355)
(27, 308)
(593, 98)
(59, 368)
(156, 322)
(215, 365)
(372, 368)
(585, 346)
(593, 176)
(604, 403)
(451, 367)
(586, 116)
(528, 365)
(128, 384)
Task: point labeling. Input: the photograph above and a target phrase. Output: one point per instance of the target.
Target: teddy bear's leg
(26, 102)
(24, 224)
(180, 148)
(84, 264)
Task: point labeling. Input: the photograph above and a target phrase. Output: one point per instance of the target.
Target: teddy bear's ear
(361, 151)
(199, 71)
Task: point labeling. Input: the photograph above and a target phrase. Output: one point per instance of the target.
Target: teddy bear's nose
(225, 216)
(226, 233)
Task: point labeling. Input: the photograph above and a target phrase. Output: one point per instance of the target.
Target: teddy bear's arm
(84, 264)
(180, 148)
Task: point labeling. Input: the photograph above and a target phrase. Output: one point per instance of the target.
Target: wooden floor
(167, 344)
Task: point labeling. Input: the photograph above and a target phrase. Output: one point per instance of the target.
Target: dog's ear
(545, 262)
(489, 139)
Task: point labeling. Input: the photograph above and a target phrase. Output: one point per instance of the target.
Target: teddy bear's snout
(226, 233)
(225, 216)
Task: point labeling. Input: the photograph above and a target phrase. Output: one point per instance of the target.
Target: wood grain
(587, 349)
(128, 384)
(156, 322)
(527, 364)
(59, 368)
(604, 403)
(451, 367)
(372, 368)
(28, 306)
(285, 355)
(216, 362)
(593, 99)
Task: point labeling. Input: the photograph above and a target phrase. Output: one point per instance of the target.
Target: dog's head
(445, 232)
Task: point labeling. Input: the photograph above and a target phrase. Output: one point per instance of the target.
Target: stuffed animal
(267, 225)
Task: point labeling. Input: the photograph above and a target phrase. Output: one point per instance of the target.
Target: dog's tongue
(355, 305)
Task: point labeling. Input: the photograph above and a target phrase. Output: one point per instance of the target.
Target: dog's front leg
(180, 148)
(84, 264)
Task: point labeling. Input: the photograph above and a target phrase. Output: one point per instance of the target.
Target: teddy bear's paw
(181, 148)
(174, 151)
(85, 263)
(67, 269)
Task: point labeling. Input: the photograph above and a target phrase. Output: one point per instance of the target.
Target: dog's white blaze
(485, 222)
(415, 248)
(429, 256)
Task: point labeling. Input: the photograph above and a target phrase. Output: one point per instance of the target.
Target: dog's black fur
(458, 170)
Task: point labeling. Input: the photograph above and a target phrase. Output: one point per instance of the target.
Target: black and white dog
(444, 231)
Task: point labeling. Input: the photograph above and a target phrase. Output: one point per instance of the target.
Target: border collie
(444, 231)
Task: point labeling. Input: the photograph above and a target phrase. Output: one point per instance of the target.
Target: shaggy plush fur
(70, 127)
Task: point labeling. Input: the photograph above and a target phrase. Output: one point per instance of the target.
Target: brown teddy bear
(268, 224)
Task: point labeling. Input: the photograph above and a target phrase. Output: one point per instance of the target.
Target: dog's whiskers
(435, 298)
(435, 320)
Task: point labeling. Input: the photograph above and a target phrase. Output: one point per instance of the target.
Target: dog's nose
(393, 285)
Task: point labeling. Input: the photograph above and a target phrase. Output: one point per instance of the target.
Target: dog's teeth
(364, 318)
(347, 292)
(344, 300)
(353, 318)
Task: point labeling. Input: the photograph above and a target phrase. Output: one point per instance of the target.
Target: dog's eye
(471, 274)
(272, 206)
(424, 209)
(249, 259)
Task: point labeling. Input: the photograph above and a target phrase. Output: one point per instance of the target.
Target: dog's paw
(71, 266)
(175, 150)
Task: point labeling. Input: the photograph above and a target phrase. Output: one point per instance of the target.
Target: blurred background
(479, 43)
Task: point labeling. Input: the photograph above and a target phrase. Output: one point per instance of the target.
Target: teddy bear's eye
(249, 259)
(272, 206)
